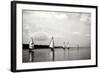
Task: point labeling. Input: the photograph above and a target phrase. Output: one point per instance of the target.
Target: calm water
(42, 55)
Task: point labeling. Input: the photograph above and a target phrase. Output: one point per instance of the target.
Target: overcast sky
(63, 26)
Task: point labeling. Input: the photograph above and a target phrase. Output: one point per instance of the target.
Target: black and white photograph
(47, 36)
(56, 36)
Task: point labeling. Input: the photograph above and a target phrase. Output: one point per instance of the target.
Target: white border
(21, 65)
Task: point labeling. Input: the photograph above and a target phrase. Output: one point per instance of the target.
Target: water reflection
(74, 53)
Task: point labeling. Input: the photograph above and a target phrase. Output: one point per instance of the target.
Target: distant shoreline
(26, 46)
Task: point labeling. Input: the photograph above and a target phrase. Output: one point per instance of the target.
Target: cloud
(40, 36)
(61, 16)
(85, 17)
(87, 35)
(76, 33)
